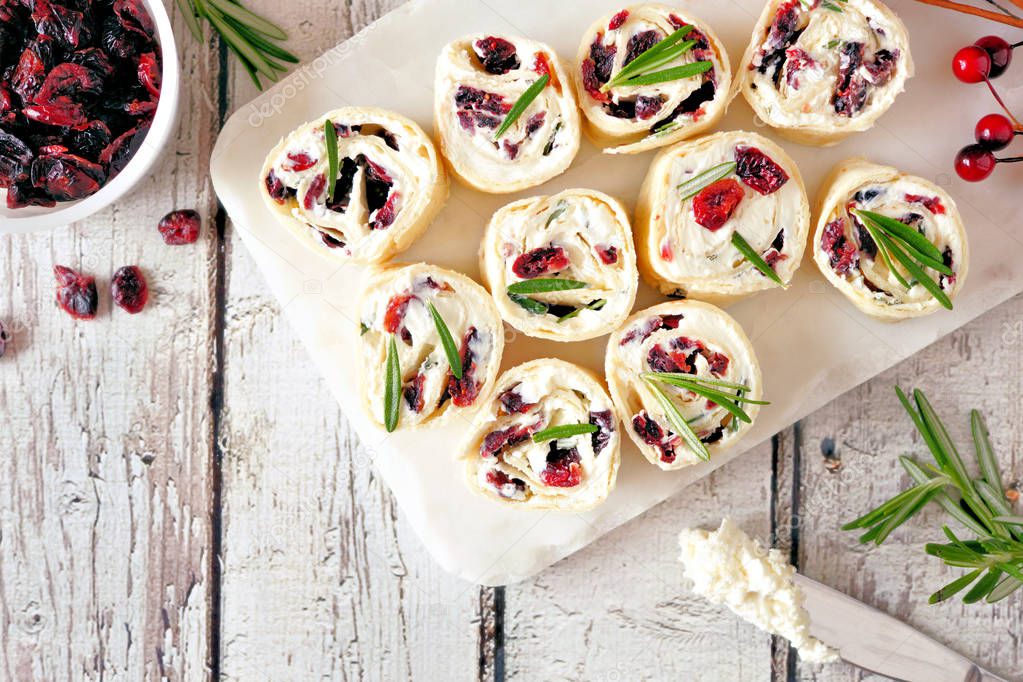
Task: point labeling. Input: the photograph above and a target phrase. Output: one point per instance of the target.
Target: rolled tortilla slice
(685, 227)
(580, 235)
(479, 80)
(396, 304)
(571, 472)
(820, 70)
(390, 184)
(628, 119)
(848, 257)
(687, 338)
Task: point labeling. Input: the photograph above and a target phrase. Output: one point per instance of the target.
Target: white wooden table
(182, 498)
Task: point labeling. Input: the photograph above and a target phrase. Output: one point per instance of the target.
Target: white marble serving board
(813, 345)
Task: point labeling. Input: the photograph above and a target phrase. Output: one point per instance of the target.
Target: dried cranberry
(118, 41)
(129, 290)
(68, 81)
(880, 70)
(661, 360)
(784, 27)
(275, 187)
(535, 122)
(512, 402)
(851, 89)
(313, 192)
(608, 254)
(542, 66)
(134, 17)
(618, 20)
(842, 253)
(652, 434)
(95, 60)
(714, 205)
(413, 393)
(63, 113)
(119, 152)
(66, 26)
(640, 43)
(464, 391)
(299, 161)
(596, 69)
(149, 73)
(540, 261)
(15, 159)
(180, 227)
(796, 59)
(932, 204)
(623, 108)
(35, 61)
(605, 423)
(647, 107)
(511, 149)
(501, 482)
(66, 177)
(477, 108)
(718, 362)
(395, 313)
(386, 214)
(758, 170)
(495, 441)
(497, 55)
(22, 194)
(76, 293)
(563, 467)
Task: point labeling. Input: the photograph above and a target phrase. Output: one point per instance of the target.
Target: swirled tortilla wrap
(686, 338)
(579, 234)
(628, 119)
(505, 462)
(479, 79)
(686, 247)
(390, 184)
(820, 70)
(848, 257)
(396, 304)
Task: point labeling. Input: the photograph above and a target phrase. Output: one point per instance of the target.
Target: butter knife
(873, 640)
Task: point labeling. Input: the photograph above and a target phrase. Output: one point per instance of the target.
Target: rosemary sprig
(658, 54)
(531, 304)
(678, 422)
(563, 431)
(709, 389)
(995, 557)
(450, 350)
(330, 137)
(392, 387)
(248, 35)
(522, 103)
(673, 74)
(743, 247)
(543, 286)
(559, 210)
(694, 185)
(592, 305)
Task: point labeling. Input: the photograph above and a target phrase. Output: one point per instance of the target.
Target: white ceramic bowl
(36, 218)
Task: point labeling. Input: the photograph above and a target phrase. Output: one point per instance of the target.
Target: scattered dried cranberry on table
(180, 227)
(129, 290)
(76, 293)
(79, 85)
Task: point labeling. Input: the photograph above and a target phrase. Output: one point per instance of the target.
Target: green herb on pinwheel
(450, 350)
(330, 137)
(694, 185)
(678, 422)
(522, 103)
(658, 54)
(743, 247)
(994, 559)
(392, 387)
(563, 431)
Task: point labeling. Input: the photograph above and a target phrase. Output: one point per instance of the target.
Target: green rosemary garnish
(330, 137)
(392, 387)
(743, 247)
(711, 389)
(673, 74)
(450, 349)
(658, 54)
(363, 328)
(531, 304)
(694, 185)
(592, 305)
(543, 286)
(897, 241)
(996, 556)
(678, 422)
(249, 36)
(832, 44)
(563, 431)
(522, 103)
(559, 210)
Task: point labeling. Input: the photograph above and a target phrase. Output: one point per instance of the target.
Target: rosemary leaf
(522, 103)
(883, 250)
(656, 55)
(1011, 520)
(954, 587)
(880, 513)
(703, 380)
(530, 304)
(1004, 589)
(330, 137)
(563, 431)
(249, 19)
(188, 12)
(743, 247)
(918, 274)
(673, 74)
(450, 349)
(679, 423)
(983, 586)
(392, 387)
(592, 305)
(694, 185)
(725, 401)
(902, 232)
(558, 211)
(985, 453)
(543, 286)
(914, 504)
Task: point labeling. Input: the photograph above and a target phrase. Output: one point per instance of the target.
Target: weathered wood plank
(620, 609)
(849, 465)
(323, 577)
(104, 500)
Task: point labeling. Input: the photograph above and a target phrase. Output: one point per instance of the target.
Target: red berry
(180, 227)
(974, 163)
(715, 203)
(1000, 52)
(971, 64)
(76, 293)
(994, 132)
(129, 290)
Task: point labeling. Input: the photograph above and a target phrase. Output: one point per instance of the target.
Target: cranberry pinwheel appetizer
(431, 345)
(893, 244)
(820, 70)
(388, 184)
(505, 113)
(547, 439)
(561, 267)
(721, 217)
(649, 76)
(685, 381)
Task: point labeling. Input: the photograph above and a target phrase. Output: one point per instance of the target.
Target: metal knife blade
(875, 641)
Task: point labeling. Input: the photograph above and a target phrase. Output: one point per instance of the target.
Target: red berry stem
(1009, 159)
(1015, 45)
(1015, 122)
